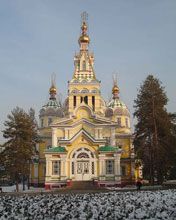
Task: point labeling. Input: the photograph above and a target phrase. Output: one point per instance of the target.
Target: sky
(132, 38)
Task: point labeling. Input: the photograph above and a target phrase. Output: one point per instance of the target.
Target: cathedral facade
(86, 138)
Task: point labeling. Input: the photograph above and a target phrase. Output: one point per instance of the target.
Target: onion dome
(115, 91)
(84, 38)
(53, 91)
(116, 106)
(52, 107)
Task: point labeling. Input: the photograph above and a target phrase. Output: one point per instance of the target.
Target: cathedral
(85, 138)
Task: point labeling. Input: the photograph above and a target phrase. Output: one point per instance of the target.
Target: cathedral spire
(84, 59)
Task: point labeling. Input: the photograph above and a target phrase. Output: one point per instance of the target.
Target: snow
(110, 205)
(13, 189)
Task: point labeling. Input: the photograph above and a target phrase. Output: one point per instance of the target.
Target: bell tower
(84, 88)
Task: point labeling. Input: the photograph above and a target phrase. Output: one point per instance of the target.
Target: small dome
(52, 90)
(84, 39)
(118, 107)
(115, 89)
(51, 109)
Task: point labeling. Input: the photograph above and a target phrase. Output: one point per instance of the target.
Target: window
(74, 91)
(109, 112)
(81, 99)
(56, 167)
(93, 103)
(78, 65)
(83, 155)
(84, 65)
(84, 91)
(93, 168)
(119, 121)
(44, 170)
(42, 123)
(86, 99)
(50, 121)
(73, 168)
(123, 171)
(126, 122)
(109, 166)
(74, 101)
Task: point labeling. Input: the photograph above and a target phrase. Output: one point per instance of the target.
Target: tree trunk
(151, 162)
(17, 186)
(23, 183)
(28, 183)
(155, 140)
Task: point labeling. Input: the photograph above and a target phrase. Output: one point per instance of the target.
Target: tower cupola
(52, 109)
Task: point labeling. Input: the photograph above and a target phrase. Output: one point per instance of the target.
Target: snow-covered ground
(13, 189)
(112, 205)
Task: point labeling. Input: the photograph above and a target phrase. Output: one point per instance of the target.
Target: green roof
(108, 148)
(58, 149)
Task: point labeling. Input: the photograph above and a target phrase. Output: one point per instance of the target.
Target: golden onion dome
(84, 39)
(115, 89)
(53, 90)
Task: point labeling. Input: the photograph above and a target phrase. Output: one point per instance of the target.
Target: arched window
(86, 99)
(83, 155)
(74, 101)
(50, 120)
(78, 63)
(109, 112)
(84, 65)
(119, 122)
(93, 103)
(126, 122)
(42, 123)
(84, 90)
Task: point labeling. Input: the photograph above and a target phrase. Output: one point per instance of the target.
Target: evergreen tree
(21, 134)
(172, 171)
(153, 131)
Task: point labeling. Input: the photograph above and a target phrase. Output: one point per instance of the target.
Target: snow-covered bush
(112, 205)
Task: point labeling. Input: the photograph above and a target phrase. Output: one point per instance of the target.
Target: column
(70, 103)
(102, 167)
(117, 167)
(63, 167)
(112, 138)
(48, 168)
(78, 101)
(90, 101)
(96, 133)
(67, 133)
(54, 137)
(100, 133)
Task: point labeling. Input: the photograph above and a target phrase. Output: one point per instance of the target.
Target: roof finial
(115, 89)
(53, 90)
(84, 17)
(84, 38)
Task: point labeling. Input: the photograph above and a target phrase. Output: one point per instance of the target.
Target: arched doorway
(83, 165)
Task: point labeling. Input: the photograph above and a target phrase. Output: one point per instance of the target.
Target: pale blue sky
(39, 37)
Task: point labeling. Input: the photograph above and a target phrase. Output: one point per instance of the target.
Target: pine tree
(172, 171)
(21, 134)
(153, 131)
